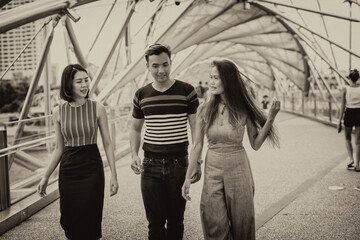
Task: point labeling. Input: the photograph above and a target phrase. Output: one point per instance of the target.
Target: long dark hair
(239, 101)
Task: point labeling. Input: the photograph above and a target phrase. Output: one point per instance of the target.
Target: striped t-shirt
(79, 124)
(165, 115)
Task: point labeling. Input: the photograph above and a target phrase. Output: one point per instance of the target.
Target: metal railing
(34, 149)
(313, 106)
(14, 189)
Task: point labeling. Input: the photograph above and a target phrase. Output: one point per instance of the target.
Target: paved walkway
(292, 196)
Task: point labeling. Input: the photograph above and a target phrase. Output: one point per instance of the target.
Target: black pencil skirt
(81, 187)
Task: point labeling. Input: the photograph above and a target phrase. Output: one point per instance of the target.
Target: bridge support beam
(4, 175)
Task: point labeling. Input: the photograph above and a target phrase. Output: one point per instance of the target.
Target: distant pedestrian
(265, 102)
(200, 90)
(166, 106)
(227, 202)
(350, 104)
(81, 173)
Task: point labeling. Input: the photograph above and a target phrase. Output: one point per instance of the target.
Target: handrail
(119, 118)
(25, 145)
(27, 120)
(37, 142)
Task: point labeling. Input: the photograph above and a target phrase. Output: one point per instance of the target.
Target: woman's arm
(342, 108)
(257, 138)
(56, 155)
(196, 174)
(195, 155)
(105, 136)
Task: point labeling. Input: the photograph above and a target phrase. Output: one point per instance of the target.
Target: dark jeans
(161, 183)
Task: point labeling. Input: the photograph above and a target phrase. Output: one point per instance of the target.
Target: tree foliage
(12, 96)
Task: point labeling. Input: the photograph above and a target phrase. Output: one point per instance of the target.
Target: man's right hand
(136, 165)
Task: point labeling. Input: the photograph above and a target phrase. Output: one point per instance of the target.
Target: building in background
(13, 41)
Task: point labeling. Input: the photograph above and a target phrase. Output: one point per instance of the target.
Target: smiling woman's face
(216, 86)
(80, 84)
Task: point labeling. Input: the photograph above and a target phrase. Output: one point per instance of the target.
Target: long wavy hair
(239, 101)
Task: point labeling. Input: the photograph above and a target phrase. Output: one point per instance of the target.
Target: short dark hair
(157, 49)
(354, 75)
(66, 91)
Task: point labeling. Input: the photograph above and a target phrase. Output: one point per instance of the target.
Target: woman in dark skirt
(81, 173)
(350, 103)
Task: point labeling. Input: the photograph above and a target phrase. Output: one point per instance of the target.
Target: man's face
(160, 67)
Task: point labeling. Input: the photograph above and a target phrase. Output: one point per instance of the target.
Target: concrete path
(292, 196)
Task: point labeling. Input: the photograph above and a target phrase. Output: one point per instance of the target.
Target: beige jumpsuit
(227, 202)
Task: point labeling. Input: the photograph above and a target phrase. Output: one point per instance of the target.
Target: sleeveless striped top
(79, 124)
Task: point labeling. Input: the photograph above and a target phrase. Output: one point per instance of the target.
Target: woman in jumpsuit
(227, 203)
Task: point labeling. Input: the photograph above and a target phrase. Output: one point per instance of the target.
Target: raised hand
(274, 109)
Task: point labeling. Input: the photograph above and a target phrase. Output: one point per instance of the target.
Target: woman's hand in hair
(274, 109)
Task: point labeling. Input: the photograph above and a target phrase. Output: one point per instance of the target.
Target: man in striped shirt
(164, 105)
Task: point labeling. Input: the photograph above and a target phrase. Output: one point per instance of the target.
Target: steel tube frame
(102, 26)
(4, 174)
(324, 59)
(327, 35)
(31, 90)
(325, 83)
(326, 39)
(24, 48)
(47, 90)
(77, 50)
(303, 20)
(121, 33)
(350, 36)
(119, 83)
(303, 39)
(292, 31)
(306, 9)
(36, 10)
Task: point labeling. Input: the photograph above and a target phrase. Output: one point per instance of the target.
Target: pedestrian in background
(165, 105)
(350, 104)
(265, 102)
(227, 203)
(81, 173)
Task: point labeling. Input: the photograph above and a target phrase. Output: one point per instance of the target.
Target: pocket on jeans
(181, 162)
(147, 162)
